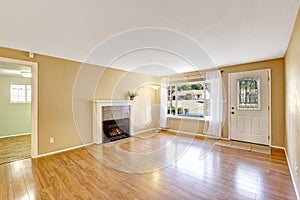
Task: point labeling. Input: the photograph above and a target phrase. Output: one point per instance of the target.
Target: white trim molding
(64, 150)
(15, 135)
(277, 147)
(34, 102)
(97, 116)
(268, 70)
(272, 146)
(291, 172)
(195, 134)
(143, 131)
(290, 169)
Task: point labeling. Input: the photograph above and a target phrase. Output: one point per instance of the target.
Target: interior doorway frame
(269, 102)
(34, 100)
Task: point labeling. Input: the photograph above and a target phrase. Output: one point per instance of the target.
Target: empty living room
(149, 99)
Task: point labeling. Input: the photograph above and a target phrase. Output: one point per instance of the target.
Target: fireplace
(115, 129)
(112, 120)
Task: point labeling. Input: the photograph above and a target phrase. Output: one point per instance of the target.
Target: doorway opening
(18, 127)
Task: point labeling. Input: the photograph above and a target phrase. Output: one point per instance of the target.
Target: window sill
(185, 117)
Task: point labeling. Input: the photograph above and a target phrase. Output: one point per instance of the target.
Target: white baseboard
(273, 146)
(223, 138)
(195, 134)
(277, 147)
(188, 133)
(144, 131)
(176, 131)
(291, 172)
(15, 135)
(63, 150)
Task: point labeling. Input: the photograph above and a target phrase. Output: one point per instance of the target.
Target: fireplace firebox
(116, 129)
(112, 120)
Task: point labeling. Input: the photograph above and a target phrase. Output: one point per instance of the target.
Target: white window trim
(176, 116)
(26, 97)
(186, 117)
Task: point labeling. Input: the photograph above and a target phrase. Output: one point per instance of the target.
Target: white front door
(249, 106)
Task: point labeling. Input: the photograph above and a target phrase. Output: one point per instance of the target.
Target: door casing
(34, 103)
(269, 97)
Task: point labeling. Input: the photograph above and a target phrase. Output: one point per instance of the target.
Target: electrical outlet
(51, 140)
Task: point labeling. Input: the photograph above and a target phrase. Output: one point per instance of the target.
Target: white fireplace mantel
(97, 116)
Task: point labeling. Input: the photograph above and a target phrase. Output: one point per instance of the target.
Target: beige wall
(15, 118)
(114, 84)
(277, 84)
(186, 125)
(292, 108)
(57, 80)
(277, 95)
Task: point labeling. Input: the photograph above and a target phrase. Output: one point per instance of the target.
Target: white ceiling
(229, 31)
(7, 69)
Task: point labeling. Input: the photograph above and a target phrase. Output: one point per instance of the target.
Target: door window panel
(248, 96)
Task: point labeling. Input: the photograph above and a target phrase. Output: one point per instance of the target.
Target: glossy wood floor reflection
(203, 171)
(15, 148)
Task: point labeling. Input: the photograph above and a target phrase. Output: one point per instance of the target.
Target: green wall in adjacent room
(14, 118)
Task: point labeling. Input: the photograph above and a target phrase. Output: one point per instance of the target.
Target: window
(248, 93)
(20, 93)
(189, 99)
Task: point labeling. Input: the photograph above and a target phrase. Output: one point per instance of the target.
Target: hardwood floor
(15, 148)
(202, 171)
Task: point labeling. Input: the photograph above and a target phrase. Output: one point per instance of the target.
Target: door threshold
(245, 146)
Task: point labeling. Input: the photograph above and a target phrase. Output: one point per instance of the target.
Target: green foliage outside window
(195, 86)
(179, 110)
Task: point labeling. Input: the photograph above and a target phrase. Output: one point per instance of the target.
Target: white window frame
(203, 83)
(27, 99)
